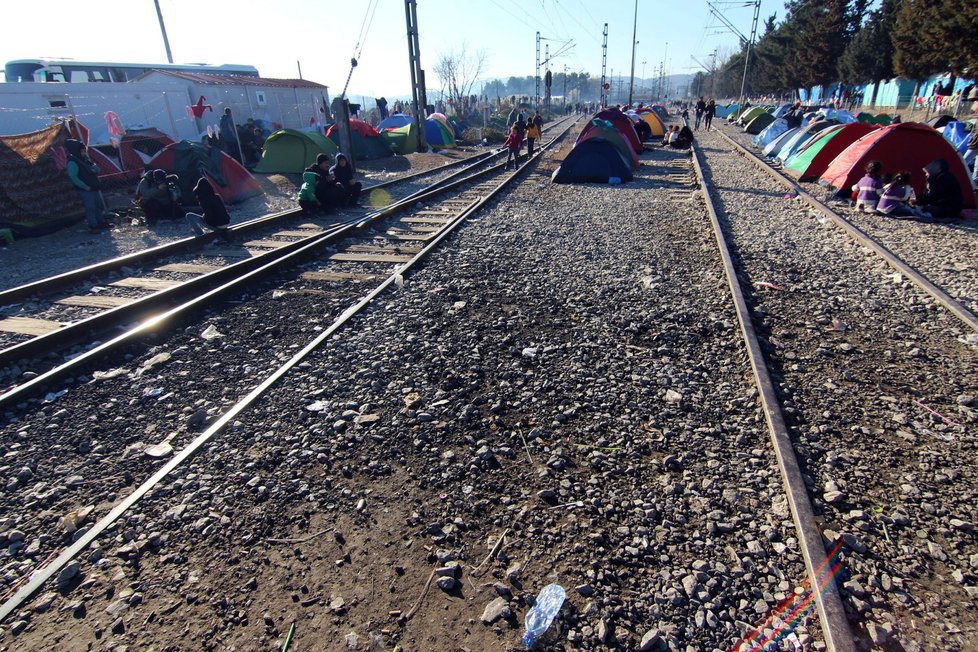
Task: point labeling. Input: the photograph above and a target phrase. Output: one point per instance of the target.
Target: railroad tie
(28, 326)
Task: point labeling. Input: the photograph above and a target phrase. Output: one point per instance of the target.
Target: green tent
(750, 114)
(800, 162)
(758, 124)
(402, 140)
(291, 151)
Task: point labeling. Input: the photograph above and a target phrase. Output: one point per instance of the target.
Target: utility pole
(604, 63)
(565, 84)
(166, 41)
(631, 83)
(418, 95)
(536, 97)
(546, 86)
(750, 44)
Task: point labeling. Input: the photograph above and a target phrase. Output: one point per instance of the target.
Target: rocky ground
(880, 387)
(30, 259)
(566, 373)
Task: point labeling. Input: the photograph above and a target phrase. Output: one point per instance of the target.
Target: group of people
(329, 184)
(895, 197)
(243, 143)
(678, 137)
(704, 112)
(522, 128)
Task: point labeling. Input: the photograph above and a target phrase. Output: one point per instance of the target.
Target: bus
(69, 70)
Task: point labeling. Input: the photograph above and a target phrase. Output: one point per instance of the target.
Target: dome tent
(289, 151)
(593, 160)
(810, 162)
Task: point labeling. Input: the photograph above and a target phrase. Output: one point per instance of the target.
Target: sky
(324, 34)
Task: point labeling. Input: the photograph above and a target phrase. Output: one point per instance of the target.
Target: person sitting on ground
(896, 197)
(307, 193)
(215, 213)
(869, 188)
(513, 144)
(327, 190)
(350, 189)
(158, 195)
(942, 199)
(683, 139)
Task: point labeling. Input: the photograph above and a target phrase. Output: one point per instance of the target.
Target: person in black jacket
(795, 115)
(328, 192)
(215, 214)
(343, 174)
(83, 174)
(942, 198)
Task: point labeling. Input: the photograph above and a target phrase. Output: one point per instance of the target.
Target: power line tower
(750, 44)
(419, 98)
(536, 97)
(604, 65)
(547, 77)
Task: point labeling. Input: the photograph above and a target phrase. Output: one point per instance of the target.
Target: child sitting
(868, 188)
(896, 196)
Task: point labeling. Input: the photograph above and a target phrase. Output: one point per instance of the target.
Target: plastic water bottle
(539, 618)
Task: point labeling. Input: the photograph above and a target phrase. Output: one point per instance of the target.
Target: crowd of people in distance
(895, 197)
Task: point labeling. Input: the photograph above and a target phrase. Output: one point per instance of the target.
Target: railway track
(380, 248)
(78, 305)
(861, 236)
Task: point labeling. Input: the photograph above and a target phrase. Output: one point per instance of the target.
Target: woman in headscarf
(83, 174)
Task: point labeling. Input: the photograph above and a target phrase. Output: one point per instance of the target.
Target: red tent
(904, 146)
(624, 126)
(189, 160)
(837, 139)
(359, 126)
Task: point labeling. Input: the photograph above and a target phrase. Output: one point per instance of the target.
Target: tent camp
(607, 130)
(367, 143)
(291, 151)
(653, 120)
(187, 160)
(624, 126)
(811, 161)
(593, 160)
(395, 121)
(438, 135)
(402, 140)
(770, 132)
(904, 146)
(36, 196)
(759, 124)
(801, 137)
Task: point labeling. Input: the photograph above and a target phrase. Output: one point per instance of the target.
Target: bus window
(119, 74)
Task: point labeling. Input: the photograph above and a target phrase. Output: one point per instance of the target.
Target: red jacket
(515, 140)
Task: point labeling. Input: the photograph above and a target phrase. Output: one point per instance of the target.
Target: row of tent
(36, 196)
(610, 144)
(291, 150)
(833, 147)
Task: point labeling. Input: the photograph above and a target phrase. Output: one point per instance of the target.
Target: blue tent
(772, 148)
(770, 132)
(596, 160)
(956, 134)
(395, 121)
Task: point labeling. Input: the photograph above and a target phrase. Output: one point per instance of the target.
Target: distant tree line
(519, 86)
(819, 42)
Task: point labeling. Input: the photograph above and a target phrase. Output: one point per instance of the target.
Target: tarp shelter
(653, 120)
(957, 134)
(607, 130)
(903, 146)
(394, 121)
(288, 151)
(622, 124)
(811, 161)
(367, 143)
(759, 124)
(770, 132)
(939, 121)
(402, 140)
(799, 139)
(36, 196)
(438, 135)
(750, 114)
(593, 160)
(188, 160)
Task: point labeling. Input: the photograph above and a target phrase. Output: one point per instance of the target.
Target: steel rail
(950, 303)
(40, 576)
(832, 615)
(245, 270)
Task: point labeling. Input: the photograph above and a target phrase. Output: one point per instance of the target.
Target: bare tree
(458, 71)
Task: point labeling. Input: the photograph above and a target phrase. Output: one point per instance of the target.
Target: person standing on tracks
(83, 174)
(532, 134)
(349, 188)
(513, 143)
(711, 110)
(699, 111)
(215, 213)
